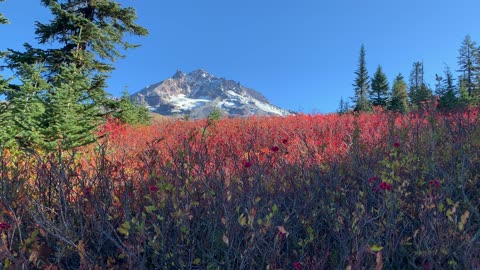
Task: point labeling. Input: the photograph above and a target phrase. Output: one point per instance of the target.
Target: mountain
(198, 93)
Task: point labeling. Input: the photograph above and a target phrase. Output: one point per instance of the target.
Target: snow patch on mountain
(197, 93)
(182, 103)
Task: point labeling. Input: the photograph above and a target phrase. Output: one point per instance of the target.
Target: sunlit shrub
(297, 192)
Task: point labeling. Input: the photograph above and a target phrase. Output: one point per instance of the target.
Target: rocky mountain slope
(198, 93)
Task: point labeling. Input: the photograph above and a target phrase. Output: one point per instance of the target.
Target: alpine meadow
(88, 180)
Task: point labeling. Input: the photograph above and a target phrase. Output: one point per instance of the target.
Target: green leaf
(150, 209)
(449, 201)
(376, 248)
(125, 228)
(184, 229)
(169, 187)
(441, 207)
(242, 220)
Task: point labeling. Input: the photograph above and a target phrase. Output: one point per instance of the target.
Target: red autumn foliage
(385, 186)
(178, 194)
(4, 226)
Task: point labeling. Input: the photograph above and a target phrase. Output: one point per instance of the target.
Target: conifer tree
(26, 107)
(465, 99)
(130, 112)
(419, 92)
(96, 28)
(447, 91)
(90, 35)
(416, 81)
(87, 37)
(361, 84)
(343, 107)
(398, 101)
(70, 115)
(468, 62)
(6, 121)
(3, 82)
(379, 91)
(424, 94)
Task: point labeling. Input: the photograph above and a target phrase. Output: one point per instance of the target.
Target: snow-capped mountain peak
(198, 93)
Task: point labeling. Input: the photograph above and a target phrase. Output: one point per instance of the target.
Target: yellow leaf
(376, 248)
(242, 220)
(124, 228)
(463, 220)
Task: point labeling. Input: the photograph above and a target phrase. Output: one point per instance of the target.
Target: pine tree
(26, 107)
(6, 118)
(379, 91)
(3, 82)
(343, 107)
(416, 82)
(398, 101)
(5, 115)
(446, 91)
(468, 62)
(88, 36)
(362, 84)
(70, 116)
(130, 112)
(465, 99)
(424, 94)
(97, 28)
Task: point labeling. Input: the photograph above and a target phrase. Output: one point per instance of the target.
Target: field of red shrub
(332, 191)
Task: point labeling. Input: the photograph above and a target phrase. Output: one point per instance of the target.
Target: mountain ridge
(198, 93)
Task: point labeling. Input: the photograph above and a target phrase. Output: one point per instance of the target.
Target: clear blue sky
(300, 54)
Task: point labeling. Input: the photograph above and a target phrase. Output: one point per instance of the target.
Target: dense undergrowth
(301, 192)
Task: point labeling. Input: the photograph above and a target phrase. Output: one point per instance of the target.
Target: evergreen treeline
(58, 97)
(450, 92)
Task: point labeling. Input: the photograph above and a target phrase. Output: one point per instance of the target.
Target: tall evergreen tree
(96, 28)
(130, 112)
(87, 37)
(419, 92)
(447, 91)
(26, 107)
(3, 20)
(379, 91)
(343, 107)
(5, 115)
(468, 62)
(361, 84)
(399, 98)
(464, 99)
(415, 83)
(438, 84)
(70, 115)
(424, 94)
